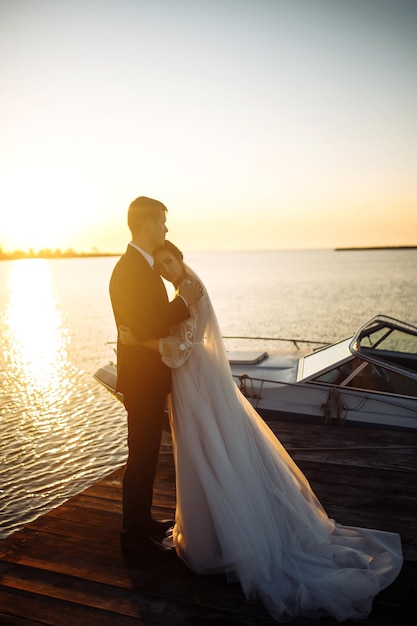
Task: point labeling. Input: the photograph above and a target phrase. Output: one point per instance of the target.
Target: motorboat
(368, 380)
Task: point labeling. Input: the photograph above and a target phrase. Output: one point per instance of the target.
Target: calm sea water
(60, 430)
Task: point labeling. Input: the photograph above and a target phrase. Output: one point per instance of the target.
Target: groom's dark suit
(140, 301)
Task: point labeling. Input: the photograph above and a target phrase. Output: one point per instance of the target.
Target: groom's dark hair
(142, 209)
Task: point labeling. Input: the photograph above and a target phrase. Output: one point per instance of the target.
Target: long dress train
(244, 508)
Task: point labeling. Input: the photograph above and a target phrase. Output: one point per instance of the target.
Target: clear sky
(261, 124)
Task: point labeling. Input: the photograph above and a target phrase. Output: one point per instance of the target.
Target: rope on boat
(334, 408)
(243, 380)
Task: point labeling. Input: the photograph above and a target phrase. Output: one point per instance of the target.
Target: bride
(244, 508)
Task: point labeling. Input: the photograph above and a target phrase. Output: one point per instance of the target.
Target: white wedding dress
(243, 506)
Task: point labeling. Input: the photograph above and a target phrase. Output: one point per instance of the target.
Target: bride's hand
(126, 336)
(191, 290)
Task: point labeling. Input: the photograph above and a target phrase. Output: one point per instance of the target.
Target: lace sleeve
(176, 348)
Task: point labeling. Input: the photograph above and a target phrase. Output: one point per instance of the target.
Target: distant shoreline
(71, 254)
(376, 248)
(49, 254)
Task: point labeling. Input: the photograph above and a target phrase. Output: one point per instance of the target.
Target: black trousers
(145, 416)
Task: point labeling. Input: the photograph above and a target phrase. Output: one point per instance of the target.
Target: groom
(140, 301)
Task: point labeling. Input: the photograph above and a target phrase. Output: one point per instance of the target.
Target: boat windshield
(389, 342)
(358, 374)
(381, 357)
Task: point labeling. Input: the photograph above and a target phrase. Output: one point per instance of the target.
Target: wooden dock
(66, 568)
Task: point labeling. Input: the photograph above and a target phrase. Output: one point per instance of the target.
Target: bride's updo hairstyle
(169, 247)
(175, 252)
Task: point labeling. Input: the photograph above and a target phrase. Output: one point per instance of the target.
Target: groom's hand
(190, 290)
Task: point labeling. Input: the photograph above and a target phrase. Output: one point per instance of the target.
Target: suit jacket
(139, 300)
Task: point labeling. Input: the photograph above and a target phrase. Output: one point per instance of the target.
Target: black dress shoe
(145, 547)
(162, 525)
(158, 530)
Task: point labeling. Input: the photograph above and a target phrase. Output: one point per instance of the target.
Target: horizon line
(70, 253)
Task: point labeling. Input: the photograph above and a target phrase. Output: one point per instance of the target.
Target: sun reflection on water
(59, 431)
(37, 339)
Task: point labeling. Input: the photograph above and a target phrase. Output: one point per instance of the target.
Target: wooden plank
(164, 591)
(98, 595)
(21, 608)
(28, 542)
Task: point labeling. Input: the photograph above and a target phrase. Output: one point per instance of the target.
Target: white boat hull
(279, 397)
(302, 402)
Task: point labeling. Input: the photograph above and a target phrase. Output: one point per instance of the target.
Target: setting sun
(44, 211)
